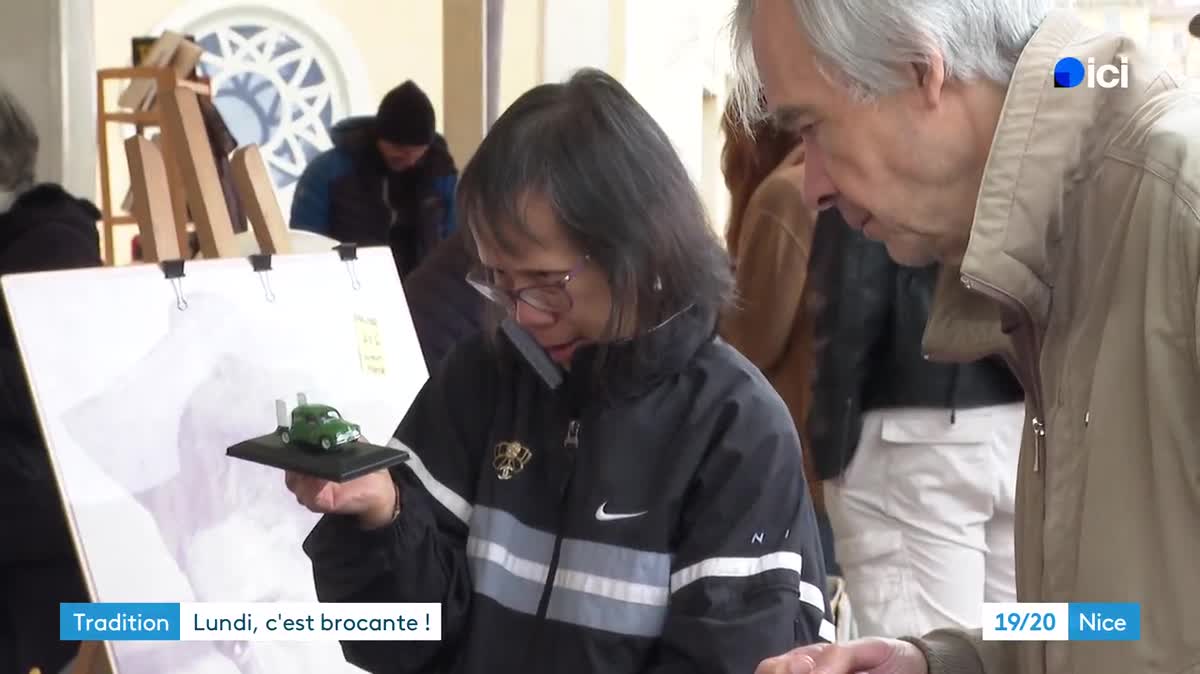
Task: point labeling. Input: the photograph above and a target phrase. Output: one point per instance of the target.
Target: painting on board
(141, 385)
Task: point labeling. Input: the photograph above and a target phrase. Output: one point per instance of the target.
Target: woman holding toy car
(635, 503)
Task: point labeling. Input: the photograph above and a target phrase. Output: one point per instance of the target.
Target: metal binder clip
(262, 264)
(349, 254)
(173, 271)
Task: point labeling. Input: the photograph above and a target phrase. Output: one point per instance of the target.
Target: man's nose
(819, 190)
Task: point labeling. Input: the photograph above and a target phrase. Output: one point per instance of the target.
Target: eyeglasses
(551, 298)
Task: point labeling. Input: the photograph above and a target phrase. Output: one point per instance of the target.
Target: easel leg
(106, 214)
(92, 659)
(178, 193)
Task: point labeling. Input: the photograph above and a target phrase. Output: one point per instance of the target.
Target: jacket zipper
(387, 201)
(1029, 347)
(570, 444)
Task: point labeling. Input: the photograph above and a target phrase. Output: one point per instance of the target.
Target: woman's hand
(373, 497)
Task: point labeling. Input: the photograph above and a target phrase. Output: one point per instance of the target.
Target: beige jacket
(1087, 238)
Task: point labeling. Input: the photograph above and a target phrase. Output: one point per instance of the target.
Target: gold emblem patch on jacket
(510, 458)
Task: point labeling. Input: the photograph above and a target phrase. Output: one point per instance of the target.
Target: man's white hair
(865, 44)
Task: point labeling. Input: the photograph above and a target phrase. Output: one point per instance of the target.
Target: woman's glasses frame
(552, 298)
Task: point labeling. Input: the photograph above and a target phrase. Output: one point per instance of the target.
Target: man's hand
(862, 656)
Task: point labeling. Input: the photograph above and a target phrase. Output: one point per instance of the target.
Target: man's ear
(931, 77)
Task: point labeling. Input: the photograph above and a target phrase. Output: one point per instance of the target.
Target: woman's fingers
(351, 498)
(311, 492)
(325, 498)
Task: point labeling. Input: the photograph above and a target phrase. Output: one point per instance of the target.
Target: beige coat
(1087, 233)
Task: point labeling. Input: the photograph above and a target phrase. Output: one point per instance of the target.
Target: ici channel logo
(1071, 72)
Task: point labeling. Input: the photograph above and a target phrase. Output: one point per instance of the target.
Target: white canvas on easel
(138, 399)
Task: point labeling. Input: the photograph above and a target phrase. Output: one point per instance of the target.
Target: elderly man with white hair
(1055, 174)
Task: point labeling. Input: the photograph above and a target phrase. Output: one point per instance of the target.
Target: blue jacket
(347, 193)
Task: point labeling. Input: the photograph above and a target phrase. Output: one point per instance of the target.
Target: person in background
(445, 309)
(648, 514)
(42, 228)
(389, 180)
(1062, 202)
(769, 236)
(918, 458)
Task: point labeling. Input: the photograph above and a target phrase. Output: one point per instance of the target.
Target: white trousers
(923, 518)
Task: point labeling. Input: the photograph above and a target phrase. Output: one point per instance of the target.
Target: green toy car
(320, 426)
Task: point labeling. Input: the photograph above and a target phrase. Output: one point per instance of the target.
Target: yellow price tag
(370, 346)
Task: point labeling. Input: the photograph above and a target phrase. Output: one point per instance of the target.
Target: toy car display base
(345, 463)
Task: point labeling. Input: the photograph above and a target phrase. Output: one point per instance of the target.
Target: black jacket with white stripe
(663, 526)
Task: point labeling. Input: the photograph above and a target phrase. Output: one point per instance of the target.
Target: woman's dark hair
(612, 178)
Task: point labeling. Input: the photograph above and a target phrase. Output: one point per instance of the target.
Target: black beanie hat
(405, 116)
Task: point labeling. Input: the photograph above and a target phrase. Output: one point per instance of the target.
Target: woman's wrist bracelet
(396, 508)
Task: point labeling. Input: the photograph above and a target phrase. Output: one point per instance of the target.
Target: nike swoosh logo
(603, 516)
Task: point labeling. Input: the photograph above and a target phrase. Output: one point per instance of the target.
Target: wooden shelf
(142, 118)
(165, 80)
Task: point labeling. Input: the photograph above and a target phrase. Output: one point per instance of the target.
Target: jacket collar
(1036, 151)
(628, 369)
(1046, 143)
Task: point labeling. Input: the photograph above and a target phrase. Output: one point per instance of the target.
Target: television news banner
(423, 622)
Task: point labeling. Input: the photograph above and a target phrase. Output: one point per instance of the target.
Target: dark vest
(372, 206)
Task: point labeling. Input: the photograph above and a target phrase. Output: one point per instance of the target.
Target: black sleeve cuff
(347, 557)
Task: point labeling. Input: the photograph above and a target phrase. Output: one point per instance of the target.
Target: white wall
(576, 36)
(29, 58)
(79, 155)
(662, 43)
(47, 59)
(670, 52)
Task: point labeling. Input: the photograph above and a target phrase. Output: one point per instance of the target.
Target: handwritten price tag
(370, 346)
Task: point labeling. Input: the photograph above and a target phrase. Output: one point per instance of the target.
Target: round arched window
(277, 81)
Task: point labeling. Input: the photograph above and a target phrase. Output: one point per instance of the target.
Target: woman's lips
(562, 352)
(867, 230)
